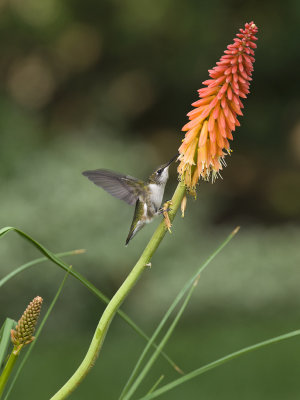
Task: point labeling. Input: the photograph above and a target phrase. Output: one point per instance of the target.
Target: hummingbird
(145, 196)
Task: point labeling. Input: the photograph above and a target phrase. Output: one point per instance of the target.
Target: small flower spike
(23, 332)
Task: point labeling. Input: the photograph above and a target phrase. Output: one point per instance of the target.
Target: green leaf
(161, 345)
(177, 299)
(51, 256)
(38, 332)
(5, 340)
(156, 384)
(29, 264)
(217, 363)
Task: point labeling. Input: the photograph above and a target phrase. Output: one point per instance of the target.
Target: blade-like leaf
(29, 264)
(217, 363)
(177, 299)
(161, 345)
(156, 384)
(38, 332)
(5, 338)
(51, 256)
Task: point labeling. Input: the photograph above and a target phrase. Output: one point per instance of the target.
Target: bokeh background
(107, 84)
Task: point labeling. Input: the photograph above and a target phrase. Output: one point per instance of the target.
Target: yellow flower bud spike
(20, 336)
(23, 332)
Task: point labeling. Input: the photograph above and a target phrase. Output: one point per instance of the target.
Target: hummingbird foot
(164, 210)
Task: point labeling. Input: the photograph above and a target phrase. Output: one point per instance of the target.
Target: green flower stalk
(117, 300)
(20, 336)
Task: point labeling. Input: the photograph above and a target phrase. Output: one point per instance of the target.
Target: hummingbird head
(161, 174)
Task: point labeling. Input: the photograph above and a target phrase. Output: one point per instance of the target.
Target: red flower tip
(215, 115)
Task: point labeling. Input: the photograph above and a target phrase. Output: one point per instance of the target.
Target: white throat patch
(156, 194)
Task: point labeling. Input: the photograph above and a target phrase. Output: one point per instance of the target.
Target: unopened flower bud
(23, 332)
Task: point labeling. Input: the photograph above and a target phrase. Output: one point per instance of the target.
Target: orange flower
(206, 143)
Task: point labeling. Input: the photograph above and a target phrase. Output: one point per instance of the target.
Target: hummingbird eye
(159, 171)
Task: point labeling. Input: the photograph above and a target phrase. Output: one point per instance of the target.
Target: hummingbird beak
(172, 159)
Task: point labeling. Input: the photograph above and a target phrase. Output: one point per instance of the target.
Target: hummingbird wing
(123, 187)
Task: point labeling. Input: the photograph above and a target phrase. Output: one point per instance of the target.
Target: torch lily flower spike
(214, 117)
(23, 332)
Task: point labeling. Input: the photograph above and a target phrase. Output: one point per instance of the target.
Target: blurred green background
(107, 84)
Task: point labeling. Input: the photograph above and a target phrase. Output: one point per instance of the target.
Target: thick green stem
(117, 300)
(8, 368)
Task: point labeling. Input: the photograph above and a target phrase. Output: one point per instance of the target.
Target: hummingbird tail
(131, 233)
(130, 236)
(134, 230)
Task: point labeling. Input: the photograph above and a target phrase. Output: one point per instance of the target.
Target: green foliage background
(107, 85)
